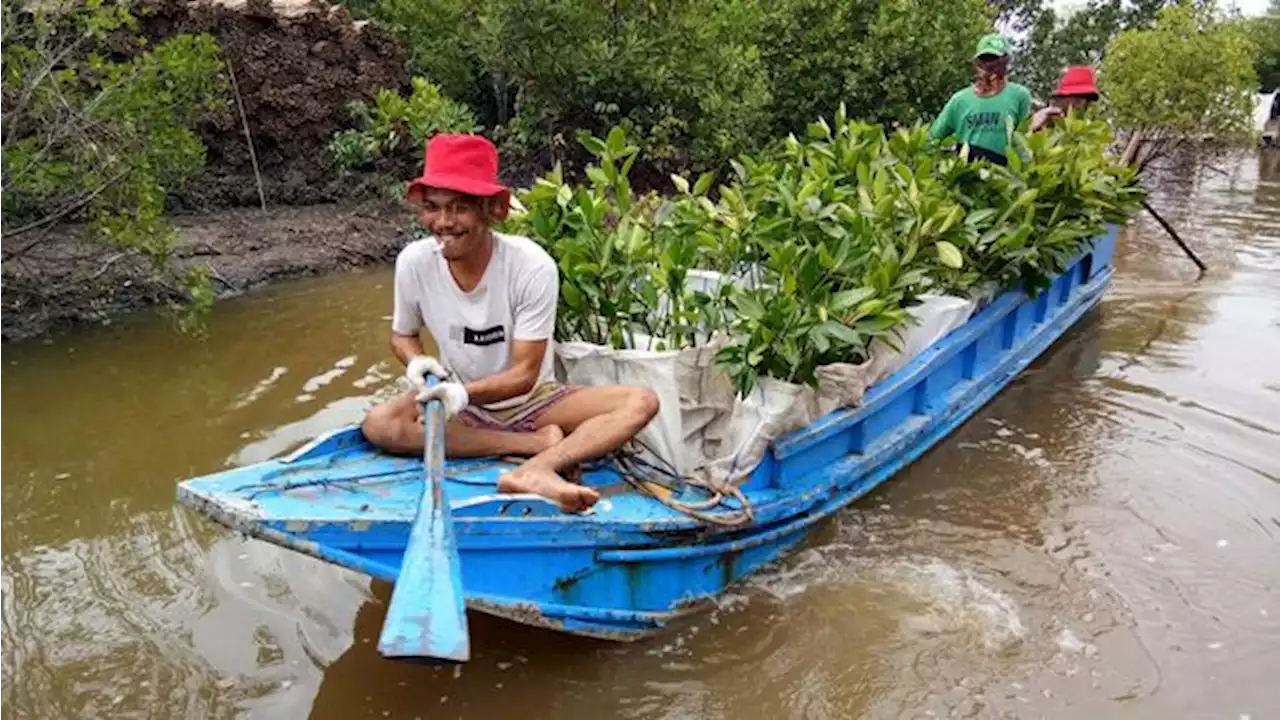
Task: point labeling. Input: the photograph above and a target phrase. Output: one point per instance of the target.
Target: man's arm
(406, 316)
(534, 324)
(406, 346)
(519, 377)
(943, 126)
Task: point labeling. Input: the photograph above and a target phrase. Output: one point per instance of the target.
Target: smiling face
(460, 223)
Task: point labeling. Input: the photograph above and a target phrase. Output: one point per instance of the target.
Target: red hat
(1077, 80)
(465, 163)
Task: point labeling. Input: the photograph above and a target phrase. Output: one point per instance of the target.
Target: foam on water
(953, 599)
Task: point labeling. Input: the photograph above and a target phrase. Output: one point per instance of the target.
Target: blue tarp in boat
(633, 565)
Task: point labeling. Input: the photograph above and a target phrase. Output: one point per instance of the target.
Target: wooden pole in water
(1176, 238)
(1130, 157)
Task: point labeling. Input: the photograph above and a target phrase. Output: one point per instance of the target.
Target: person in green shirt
(982, 114)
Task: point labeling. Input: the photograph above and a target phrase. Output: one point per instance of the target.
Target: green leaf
(594, 145)
(790, 353)
(978, 217)
(749, 306)
(809, 191)
(818, 336)
(841, 332)
(847, 299)
(876, 325)
(597, 176)
(704, 183)
(949, 255)
(571, 295)
(617, 142)
(681, 184)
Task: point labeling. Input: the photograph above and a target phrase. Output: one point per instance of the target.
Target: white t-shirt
(515, 300)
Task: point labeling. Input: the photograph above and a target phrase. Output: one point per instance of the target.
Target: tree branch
(59, 214)
(110, 261)
(30, 89)
(78, 122)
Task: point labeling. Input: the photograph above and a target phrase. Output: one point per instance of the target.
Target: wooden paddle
(427, 618)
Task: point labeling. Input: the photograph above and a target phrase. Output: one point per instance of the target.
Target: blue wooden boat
(632, 565)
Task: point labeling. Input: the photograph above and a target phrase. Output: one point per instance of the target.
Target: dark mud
(297, 65)
(67, 281)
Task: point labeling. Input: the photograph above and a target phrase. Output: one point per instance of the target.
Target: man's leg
(395, 427)
(598, 421)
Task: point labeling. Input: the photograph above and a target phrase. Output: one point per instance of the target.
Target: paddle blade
(427, 617)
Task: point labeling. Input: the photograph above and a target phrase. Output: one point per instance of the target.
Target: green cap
(993, 44)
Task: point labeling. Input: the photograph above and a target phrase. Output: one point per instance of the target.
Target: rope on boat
(643, 475)
(638, 471)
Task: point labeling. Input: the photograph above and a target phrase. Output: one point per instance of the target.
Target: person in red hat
(489, 301)
(1076, 90)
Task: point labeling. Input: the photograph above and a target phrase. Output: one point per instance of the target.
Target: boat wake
(951, 600)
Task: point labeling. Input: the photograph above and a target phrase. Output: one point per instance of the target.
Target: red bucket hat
(1077, 80)
(464, 163)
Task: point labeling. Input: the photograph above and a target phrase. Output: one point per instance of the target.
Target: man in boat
(979, 116)
(489, 301)
(1076, 91)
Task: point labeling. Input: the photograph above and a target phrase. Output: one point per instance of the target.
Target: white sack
(775, 408)
(931, 320)
(695, 399)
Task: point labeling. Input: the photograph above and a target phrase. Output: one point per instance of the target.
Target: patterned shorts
(523, 417)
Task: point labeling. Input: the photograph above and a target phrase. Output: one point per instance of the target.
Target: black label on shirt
(488, 336)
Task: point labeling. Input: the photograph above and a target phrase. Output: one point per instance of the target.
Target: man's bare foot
(571, 498)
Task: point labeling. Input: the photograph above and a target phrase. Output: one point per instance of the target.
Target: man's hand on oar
(420, 367)
(453, 396)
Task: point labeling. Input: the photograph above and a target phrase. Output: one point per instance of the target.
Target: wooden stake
(1176, 238)
(244, 122)
(1130, 158)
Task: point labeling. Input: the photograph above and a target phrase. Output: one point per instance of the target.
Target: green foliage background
(1265, 33)
(693, 82)
(1190, 75)
(100, 131)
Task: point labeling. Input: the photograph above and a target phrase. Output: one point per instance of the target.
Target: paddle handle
(433, 420)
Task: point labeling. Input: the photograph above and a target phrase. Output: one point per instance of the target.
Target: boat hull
(634, 567)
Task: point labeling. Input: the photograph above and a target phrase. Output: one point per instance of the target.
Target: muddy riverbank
(298, 65)
(68, 282)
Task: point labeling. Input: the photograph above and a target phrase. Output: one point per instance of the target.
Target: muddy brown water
(1102, 540)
